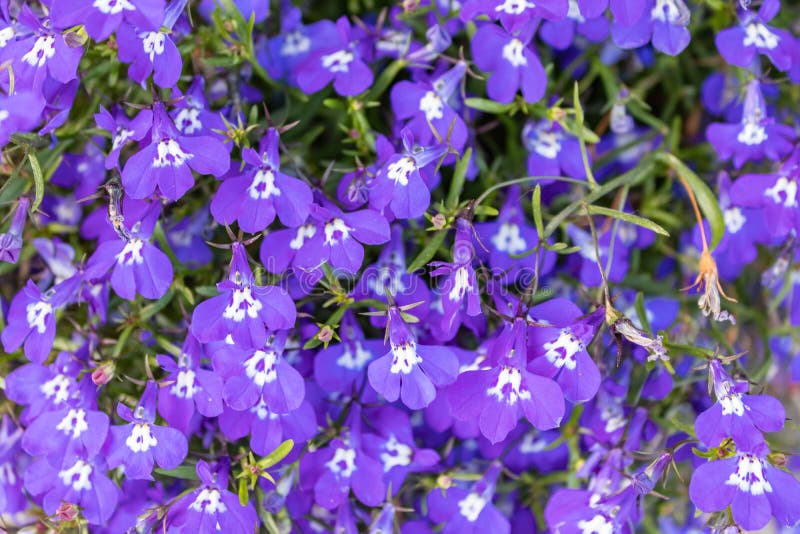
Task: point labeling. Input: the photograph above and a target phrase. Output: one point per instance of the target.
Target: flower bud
(103, 373)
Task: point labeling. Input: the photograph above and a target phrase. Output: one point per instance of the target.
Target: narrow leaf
(536, 204)
(488, 106)
(628, 217)
(38, 181)
(277, 455)
(427, 253)
(459, 175)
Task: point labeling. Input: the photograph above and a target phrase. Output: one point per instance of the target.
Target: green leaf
(536, 204)
(576, 129)
(705, 197)
(385, 79)
(427, 253)
(38, 181)
(186, 472)
(641, 311)
(628, 217)
(277, 455)
(459, 176)
(244, 497)
(488, 106)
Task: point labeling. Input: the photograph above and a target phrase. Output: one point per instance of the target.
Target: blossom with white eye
(43, 49)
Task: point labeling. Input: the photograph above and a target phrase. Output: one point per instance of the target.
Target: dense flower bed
(429, 266)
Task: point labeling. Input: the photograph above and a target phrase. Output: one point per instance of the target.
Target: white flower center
(599, 524)
(57, 387)
(531, 445)
(43, 49)
(749, 476)
(508, 388)
(184, 387)
(260, 367)
(77, 476)
(336, 231)
(471, 506)
(188, 121)
(295, 43)
(209, 502)
(405, 358)
(74, 423)
(153, 43)
(140, 439)
(131, 253)
(343, 462)
(789, 190)
(263, 185)
(668, 11)
(120, 137)
(401, 169)
(6, 35)
(431, 104)
(561, 351)
(547, 144)
(758, 35)
(395, 454)
(7, 474)
(734, 219)
(353, 360)
(388, 279)
(508, 239)
(574, 12)
(460, 285)
(513, 53)
(37, 313)
(339, 61)
(242, 303)
(112, 7)
(170, 154)
(304, 232)
(514, 7)
(752, 134)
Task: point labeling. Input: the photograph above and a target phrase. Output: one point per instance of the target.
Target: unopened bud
(439, 221)
(67, 512)
(103, 374)
(325, 334)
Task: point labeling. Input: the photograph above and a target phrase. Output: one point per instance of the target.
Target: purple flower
(12, 495)
(11, 241)
(427, 108)
(336, 238)
(740, 44)
(149, 52)
(552, 151)
(32, 320)
(192, 115)
(79, 482)
(410, 371)
(139, 443)
(340, 367)
(515, 13)
(188, 387)
(736, 414)
(201, 510)
(459, 289)
(777, 196)
(102, 17)
(513, 64)
(559, 352)
(663, 21)
(243, 310)
(268, 429)
(255, 196)
(399, 183)
(584, 18)
(66, 434)
(751, 486)
(496, 396)
(168, 161)
(338, 61)
(20, 112)
(757, 136)
(469, 511)
(123, 130)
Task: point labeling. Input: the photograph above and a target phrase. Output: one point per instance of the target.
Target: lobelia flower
(122, 130)
(552, 151)
(255, 196)
(42, 53)
(336, 238)
(243, 310)
(559, 351)
(331, 472)
(753, 488)
(460, 287)
(736, 414)
(211, 507)
(19, 112)
(587, 258)
(263, 375)
(469, 511)
(497, 396)
(11, 241)
(399, 183)
(583, 18)
(12, 494)
(740, 44)
(514, 13)
(188, 239)
(758, 136)
(393, 445)
(662, 21)
(427, 107)
(32, 317)
(512, 62)
(102, 17)
(339, 61)
(340, 367)
(168, 161)
(71, 432)
(140, 443)
(79, 481)
(188, 387)
(192, 115)
(268, 429)
(410, 371)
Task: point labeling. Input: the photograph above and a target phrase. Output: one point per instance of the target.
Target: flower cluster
(415, 269)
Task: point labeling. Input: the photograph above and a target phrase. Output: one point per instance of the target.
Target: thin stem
(523, 180)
